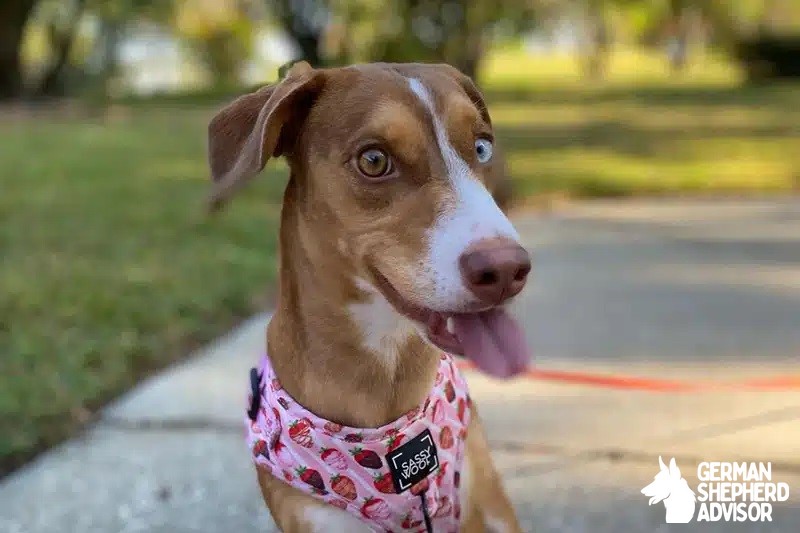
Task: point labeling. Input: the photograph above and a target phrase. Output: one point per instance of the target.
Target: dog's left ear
(257, 126)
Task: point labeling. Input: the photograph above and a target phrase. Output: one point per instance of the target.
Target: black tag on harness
(413, 461)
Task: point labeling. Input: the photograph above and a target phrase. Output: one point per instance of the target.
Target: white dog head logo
(669, 487)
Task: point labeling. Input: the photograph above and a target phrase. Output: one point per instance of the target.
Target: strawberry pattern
(346, 466)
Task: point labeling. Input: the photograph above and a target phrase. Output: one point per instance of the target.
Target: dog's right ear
(255, 127)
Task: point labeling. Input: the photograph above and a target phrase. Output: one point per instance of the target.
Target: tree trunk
(309, 47)
(598, 40)
(678, 35)
(111, 33)
(13, 16)
(466, 43)
(468, 55)
(469, 65)
(52, 83)
(299, 19)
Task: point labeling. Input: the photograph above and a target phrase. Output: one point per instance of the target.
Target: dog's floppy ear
(255, 127)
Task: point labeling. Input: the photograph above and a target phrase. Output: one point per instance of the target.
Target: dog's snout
(495, 269)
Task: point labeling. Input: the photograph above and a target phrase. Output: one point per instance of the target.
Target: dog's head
(389, 166)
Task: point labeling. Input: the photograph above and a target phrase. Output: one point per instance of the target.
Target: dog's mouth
(491, 338)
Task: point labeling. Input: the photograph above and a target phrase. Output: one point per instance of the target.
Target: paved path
(679, 290)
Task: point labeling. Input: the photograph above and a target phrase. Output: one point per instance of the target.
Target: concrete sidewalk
(680, 290)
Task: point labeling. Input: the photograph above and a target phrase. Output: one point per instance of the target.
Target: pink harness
(393, 477)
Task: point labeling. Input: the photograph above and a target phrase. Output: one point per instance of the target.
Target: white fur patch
(474, 216)
(325, 518)
(496, 525)
(464, 490)
(383, 329)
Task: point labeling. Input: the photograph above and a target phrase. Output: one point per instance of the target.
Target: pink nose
(495, 269)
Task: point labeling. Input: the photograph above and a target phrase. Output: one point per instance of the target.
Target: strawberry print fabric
(346, 467)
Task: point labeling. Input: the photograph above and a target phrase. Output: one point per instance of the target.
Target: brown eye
(374, 163)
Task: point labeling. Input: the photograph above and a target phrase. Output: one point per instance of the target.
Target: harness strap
(425, 515)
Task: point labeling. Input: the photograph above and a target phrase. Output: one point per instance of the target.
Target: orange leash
(623, 382)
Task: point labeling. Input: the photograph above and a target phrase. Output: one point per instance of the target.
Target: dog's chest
(379, 475)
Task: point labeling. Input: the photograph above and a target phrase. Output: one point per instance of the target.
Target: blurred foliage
(306, 21)
(641, 130)
(455, 31)
(222, 34)
(61, 21)
(768, 57)
(14, 17)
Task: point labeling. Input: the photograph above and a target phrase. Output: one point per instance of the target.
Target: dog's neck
(337, 346)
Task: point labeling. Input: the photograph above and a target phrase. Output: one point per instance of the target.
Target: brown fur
(335, 226)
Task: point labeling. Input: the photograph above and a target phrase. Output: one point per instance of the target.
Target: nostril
(487, 277)
(522, 273)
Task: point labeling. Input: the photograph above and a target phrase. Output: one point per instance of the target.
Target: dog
(393, 255)
(670, 487)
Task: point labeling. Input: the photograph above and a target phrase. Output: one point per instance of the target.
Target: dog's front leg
(485, 504)
(295, 512)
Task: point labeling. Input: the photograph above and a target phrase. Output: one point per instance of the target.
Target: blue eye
(483, 149)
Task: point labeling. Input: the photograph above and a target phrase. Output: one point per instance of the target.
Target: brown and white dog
(391, 249)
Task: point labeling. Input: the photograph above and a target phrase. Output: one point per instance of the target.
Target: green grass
(641, 130)
(109, 268)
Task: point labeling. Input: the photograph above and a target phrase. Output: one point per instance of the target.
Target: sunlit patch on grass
(514, 67)
(642, 131)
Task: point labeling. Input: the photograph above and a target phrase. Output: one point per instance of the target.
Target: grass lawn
(642, 131)
(109, 268)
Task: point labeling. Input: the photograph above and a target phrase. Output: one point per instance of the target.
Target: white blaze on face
(472, 216)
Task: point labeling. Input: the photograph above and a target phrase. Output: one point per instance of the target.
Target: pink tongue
(493, 341)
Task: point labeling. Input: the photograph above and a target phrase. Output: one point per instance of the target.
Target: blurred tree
(306, 22)
(353, 31)
(220, 31)
(467, 25)
(454, 31)
(676, 33)
(598, 39)
(61, 26)
(113, 17)
(467, 35)
(674, 24)
(14, 15)
(730, 19)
